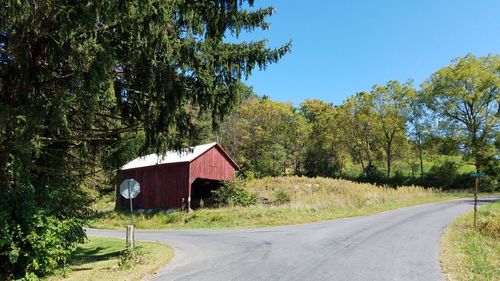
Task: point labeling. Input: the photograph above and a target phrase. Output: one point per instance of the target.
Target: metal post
(130, 228)
(131, 209)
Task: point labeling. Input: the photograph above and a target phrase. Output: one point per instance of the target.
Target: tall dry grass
(310, 199)
(325, 193)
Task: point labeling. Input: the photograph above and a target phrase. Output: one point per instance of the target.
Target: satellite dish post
(129, 189)
(131, 208)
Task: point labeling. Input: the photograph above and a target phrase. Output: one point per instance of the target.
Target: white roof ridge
(172, 156)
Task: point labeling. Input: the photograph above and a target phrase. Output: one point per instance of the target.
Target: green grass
(98, 260)
(470, 254)
(311, 199)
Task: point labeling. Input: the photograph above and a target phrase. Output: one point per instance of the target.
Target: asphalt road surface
(402, 244)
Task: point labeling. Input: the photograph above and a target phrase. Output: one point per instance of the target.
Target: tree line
(86, 86)
(454, 112)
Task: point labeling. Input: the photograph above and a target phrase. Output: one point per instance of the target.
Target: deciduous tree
(467, 95)
(261, 134)
(358, 131)
(389, 109)
(324, 150)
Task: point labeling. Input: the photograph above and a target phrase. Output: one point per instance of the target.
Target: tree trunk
(389, 156)
(421, 161)
(362, 165)
(341, 165)
(389, 138)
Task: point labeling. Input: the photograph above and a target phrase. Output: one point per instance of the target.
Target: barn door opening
(201, 192)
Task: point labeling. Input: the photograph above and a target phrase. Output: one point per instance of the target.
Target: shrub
(248, 175)
(234, 193)
(489, 220)
(446, 176)
(372, 174)
(130, 256)
(282, 197)
(443, 175)
(462, 181)
(174, 217)
(40, 224)
(490, 227)
(491, 180)
(398, 179)
(39, 246)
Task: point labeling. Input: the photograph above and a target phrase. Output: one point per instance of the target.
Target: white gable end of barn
(173, 156)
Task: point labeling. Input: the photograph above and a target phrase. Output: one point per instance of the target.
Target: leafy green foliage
(41, 242)
(282, 197)
(466, 95)
(389, 108)
(234, 193)
(491, 181)
(262, 137)
(371, 174)
(85, 86)
(385, 136)
(130, 257)
(323, 148)
(359, 132)
(443, 175)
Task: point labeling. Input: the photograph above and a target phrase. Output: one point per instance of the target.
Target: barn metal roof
(173, 156)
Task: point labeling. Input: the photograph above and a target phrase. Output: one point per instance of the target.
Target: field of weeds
(324, 193)
(282, 201)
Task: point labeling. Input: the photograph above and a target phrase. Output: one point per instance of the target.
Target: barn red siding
(213, 165)
(162, 186)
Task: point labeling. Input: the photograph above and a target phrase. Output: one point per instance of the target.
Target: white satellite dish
(130, 188)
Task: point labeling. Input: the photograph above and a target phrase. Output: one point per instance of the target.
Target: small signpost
(477, 176)
(129, 189)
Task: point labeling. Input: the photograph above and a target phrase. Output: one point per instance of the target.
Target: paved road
(394, 245)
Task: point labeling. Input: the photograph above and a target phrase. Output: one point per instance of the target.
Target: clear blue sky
(343, 47)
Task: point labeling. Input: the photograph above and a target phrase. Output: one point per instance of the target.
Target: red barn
(178, 179)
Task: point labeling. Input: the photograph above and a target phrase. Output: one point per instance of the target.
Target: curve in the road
(400, 244)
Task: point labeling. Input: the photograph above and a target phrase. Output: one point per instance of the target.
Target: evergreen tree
(77, 78)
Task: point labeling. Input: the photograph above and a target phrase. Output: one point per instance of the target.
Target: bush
(446, 176)
(491, 180)
(443, 175)
(234, 193)
(39, 226)
(129, 257)
(398, 179)
(372, 174)
(39, 246)
(282, 197)
(490, 227)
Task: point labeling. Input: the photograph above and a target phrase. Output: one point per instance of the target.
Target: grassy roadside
(98, 260)
(310, 200)
(469, 254)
